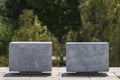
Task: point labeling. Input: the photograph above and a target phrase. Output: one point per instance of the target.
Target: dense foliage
(60, 21)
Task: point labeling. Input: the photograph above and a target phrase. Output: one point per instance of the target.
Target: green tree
(60, 16)
(115, 47)
(15, 7)
(31, 28)
(5, 35)
(5, 38)
(114, 32)
(94, 20)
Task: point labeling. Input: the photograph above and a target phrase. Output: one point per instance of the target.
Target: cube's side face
(30, 57)
(87, 57)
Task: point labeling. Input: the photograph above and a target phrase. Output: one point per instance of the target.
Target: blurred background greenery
(60, 21)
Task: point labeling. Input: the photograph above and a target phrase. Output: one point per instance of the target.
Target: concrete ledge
(60, 74)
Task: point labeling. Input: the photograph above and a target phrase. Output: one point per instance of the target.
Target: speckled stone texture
(30, 56)
(87, 56)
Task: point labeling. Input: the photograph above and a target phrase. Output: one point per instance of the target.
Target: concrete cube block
(87, 56)
(30, 56)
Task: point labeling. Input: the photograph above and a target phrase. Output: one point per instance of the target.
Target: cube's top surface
(31, 42)
(87, 43)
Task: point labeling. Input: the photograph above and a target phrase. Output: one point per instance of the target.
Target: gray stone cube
(87, 56)
(30, 56)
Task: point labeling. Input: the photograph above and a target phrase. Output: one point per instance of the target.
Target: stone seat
(87, 56)
(30, 56)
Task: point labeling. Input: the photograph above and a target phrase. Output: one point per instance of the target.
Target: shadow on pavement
(84, 74)
(26, 74)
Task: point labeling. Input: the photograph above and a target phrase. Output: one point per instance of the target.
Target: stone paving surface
(60, 74)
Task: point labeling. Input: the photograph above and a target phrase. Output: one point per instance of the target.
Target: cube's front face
(87, 57)
(30, 56)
